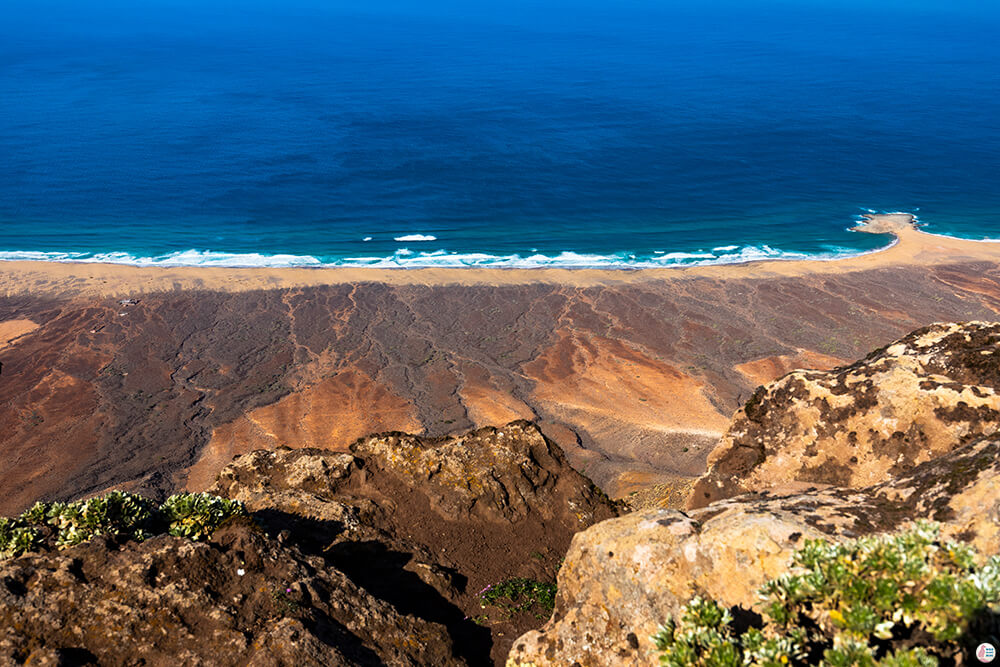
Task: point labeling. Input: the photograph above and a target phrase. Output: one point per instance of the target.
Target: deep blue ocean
(408, 134)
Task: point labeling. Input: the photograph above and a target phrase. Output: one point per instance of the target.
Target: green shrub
(35, 516)
(515, 596)
(865, 602)
(196, 515)
(16, 538)
(117, 514)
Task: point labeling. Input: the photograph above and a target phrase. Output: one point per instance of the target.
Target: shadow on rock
(384, 573)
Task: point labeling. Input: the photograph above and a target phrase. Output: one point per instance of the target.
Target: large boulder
(624, 577)
(914, 400)
(903, 435)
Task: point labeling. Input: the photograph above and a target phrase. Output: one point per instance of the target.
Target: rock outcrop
(914, 400)
(241, 599)
(624, 577)
(429, 522)
(373, 557)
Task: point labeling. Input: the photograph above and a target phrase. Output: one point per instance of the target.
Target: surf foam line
(404, 258)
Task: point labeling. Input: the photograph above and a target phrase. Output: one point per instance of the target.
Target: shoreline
(910, 246)
(633, 373)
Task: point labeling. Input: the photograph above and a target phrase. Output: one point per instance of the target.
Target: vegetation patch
(518, 596)
(197, 515)
(15, 538)
(902, 600)
(117, 515)
(286, 604)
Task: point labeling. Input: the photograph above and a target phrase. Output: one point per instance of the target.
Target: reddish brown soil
(102, 395)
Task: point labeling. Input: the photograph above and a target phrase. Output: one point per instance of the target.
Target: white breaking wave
(725, 248)
(39, 256)
(674, 256)
(179, 258)
(415, 237)
(405, 258)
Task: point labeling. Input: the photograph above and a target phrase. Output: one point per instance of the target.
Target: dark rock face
(429, 522)
(369, 558)
(241, 599)
(909, 402)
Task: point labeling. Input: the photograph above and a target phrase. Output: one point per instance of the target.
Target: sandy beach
(911, 247)
(154, 378)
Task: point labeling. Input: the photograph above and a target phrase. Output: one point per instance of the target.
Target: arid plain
(152, 379)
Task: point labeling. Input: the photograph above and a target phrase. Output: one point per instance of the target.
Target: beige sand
(913, 247)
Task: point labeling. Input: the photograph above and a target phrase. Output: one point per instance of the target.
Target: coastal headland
(152, 379)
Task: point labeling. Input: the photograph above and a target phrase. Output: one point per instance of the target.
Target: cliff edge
(903, 435)
(374, 557)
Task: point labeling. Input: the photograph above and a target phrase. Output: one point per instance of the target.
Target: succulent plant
(36, 515)
(850, 603)
(196, 515)
(16, 538)
(118, 515)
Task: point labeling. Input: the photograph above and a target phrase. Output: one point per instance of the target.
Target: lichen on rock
(909, 402)
(624, 577)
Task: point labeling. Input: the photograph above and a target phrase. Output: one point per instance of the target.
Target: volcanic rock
(428, 522)
(858, 425)
(624, 577)
(240, 599)
(372, 557)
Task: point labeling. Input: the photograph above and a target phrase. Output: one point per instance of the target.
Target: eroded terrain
(636, 381)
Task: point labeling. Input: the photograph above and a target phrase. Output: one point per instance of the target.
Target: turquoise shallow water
(398, 135)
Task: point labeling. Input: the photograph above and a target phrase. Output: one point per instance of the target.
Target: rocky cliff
(372, 557)
(429, 522)
(241, 599)
(862, 424)
(381, 554)
(905, 434)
